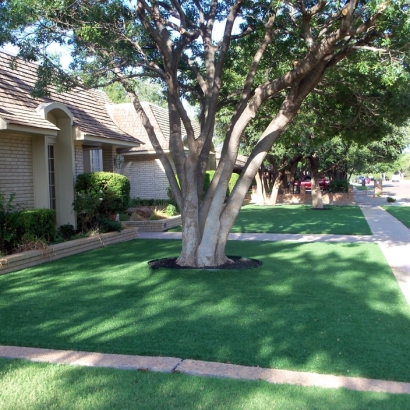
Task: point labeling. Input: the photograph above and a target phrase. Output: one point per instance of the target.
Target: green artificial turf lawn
(320, 307)
(303, 219)
(402, 213)
(42, 386)
(300, 219)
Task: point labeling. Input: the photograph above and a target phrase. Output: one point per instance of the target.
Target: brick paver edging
(201, 368)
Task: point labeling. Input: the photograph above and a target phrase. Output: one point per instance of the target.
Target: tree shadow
(41, 386)
(326, 308)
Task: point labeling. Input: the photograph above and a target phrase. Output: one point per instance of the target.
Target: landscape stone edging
(202, 368)
(27, 259)
(158, 225)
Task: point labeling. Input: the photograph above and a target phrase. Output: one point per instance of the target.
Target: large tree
(286, 47)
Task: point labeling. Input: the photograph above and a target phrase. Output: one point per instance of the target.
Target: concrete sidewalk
(392, 236)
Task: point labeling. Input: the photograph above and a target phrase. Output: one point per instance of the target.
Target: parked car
(306, 182)
(396, 178)
(360, 179)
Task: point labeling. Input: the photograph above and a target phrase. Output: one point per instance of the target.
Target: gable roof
(126, 118)
(19, 108)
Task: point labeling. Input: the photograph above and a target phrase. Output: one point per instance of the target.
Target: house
(142, 166)
(45, 143)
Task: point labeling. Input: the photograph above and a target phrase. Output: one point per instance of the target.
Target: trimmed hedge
(30, 224)
(40, 223)
(208, 179)
(339, 185)
(116, 189)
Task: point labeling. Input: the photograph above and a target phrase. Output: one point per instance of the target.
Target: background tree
(145, 89)
(290, 46)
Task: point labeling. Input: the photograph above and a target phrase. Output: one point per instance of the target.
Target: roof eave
(4, 125)
(80, 136)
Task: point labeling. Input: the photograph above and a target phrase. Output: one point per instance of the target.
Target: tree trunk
(275, 189)
(260, 189)
(317, 201)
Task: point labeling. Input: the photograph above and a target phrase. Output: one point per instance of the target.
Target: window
(51, 177)
(96, 163)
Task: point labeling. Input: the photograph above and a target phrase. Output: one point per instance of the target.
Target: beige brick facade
(108, 154)
(147, 178)
(16, 167)
(78, 159)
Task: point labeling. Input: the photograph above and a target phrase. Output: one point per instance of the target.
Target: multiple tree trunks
(175, 43)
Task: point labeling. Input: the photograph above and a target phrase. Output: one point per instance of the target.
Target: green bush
(66, 231)
(138, 202)
(38, 223)
(108, 225)
(232, 181)
(339, 185)
(208, 179)
(9, 232)
(115, 187)
(209, 175)
(18, 225)
(171, 210)
(99, 195)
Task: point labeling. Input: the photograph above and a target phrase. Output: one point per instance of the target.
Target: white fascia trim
(81, 136)
(143, 153)
(26, 129)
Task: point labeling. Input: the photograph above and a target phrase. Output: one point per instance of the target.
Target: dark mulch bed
(238, 263)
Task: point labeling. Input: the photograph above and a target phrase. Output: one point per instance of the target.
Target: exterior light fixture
(119, 161)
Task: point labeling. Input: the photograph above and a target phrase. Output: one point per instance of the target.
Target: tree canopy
(267, 54)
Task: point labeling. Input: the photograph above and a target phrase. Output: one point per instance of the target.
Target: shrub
(115, 187)
(138, 202)
(232, 181)
(339, 185)
(38, 223)
(208, 179)
(87, 204)
(171, 210)
(66, 231)
(390, 199)
(9, 222)
(108, 225)
(99, 195)
(18, 227)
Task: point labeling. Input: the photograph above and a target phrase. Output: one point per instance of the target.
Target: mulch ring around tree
(238, 263)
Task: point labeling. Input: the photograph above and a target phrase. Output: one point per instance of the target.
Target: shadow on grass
(327, 308)
(42, 386)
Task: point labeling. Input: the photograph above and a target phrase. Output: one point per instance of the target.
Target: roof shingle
(18, 107)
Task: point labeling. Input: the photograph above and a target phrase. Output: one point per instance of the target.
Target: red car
(306, 182)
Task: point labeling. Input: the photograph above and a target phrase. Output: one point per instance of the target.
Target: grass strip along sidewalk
(26, 385)
(326, 308)
(300, 219)
(402, 213)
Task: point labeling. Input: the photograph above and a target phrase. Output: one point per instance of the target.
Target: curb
(202, 368)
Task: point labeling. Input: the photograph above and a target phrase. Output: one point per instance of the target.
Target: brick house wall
(78, 159)
(16, 168)
(108, 154)
(147, 178)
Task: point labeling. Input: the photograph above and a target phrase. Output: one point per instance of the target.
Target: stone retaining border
(202, 368)
(158, 225)
(27, 259)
